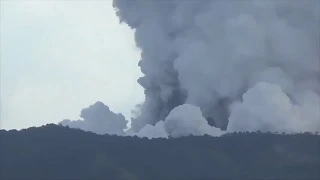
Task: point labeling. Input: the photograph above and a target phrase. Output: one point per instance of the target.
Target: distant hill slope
(56, 152)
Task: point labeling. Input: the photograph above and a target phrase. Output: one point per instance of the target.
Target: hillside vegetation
(56, 152)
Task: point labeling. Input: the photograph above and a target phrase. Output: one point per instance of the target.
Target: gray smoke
(181, 121)
(99, 119)
(248, 65)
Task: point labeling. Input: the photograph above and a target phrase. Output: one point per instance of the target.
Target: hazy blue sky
(58, 57)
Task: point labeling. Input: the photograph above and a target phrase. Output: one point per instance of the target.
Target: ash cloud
(99, 119)
(265, 107)
(181, 121)
(248, 65)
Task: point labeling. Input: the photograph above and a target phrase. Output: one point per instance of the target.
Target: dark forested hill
(56, 152)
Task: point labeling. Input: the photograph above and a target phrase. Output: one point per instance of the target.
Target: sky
(58, 57)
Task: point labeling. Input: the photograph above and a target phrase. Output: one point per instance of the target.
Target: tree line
(57, 152)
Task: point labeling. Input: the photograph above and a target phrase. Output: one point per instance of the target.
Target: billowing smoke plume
(248, 65)
(181, 121)
(265, 107)
(99, 119)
